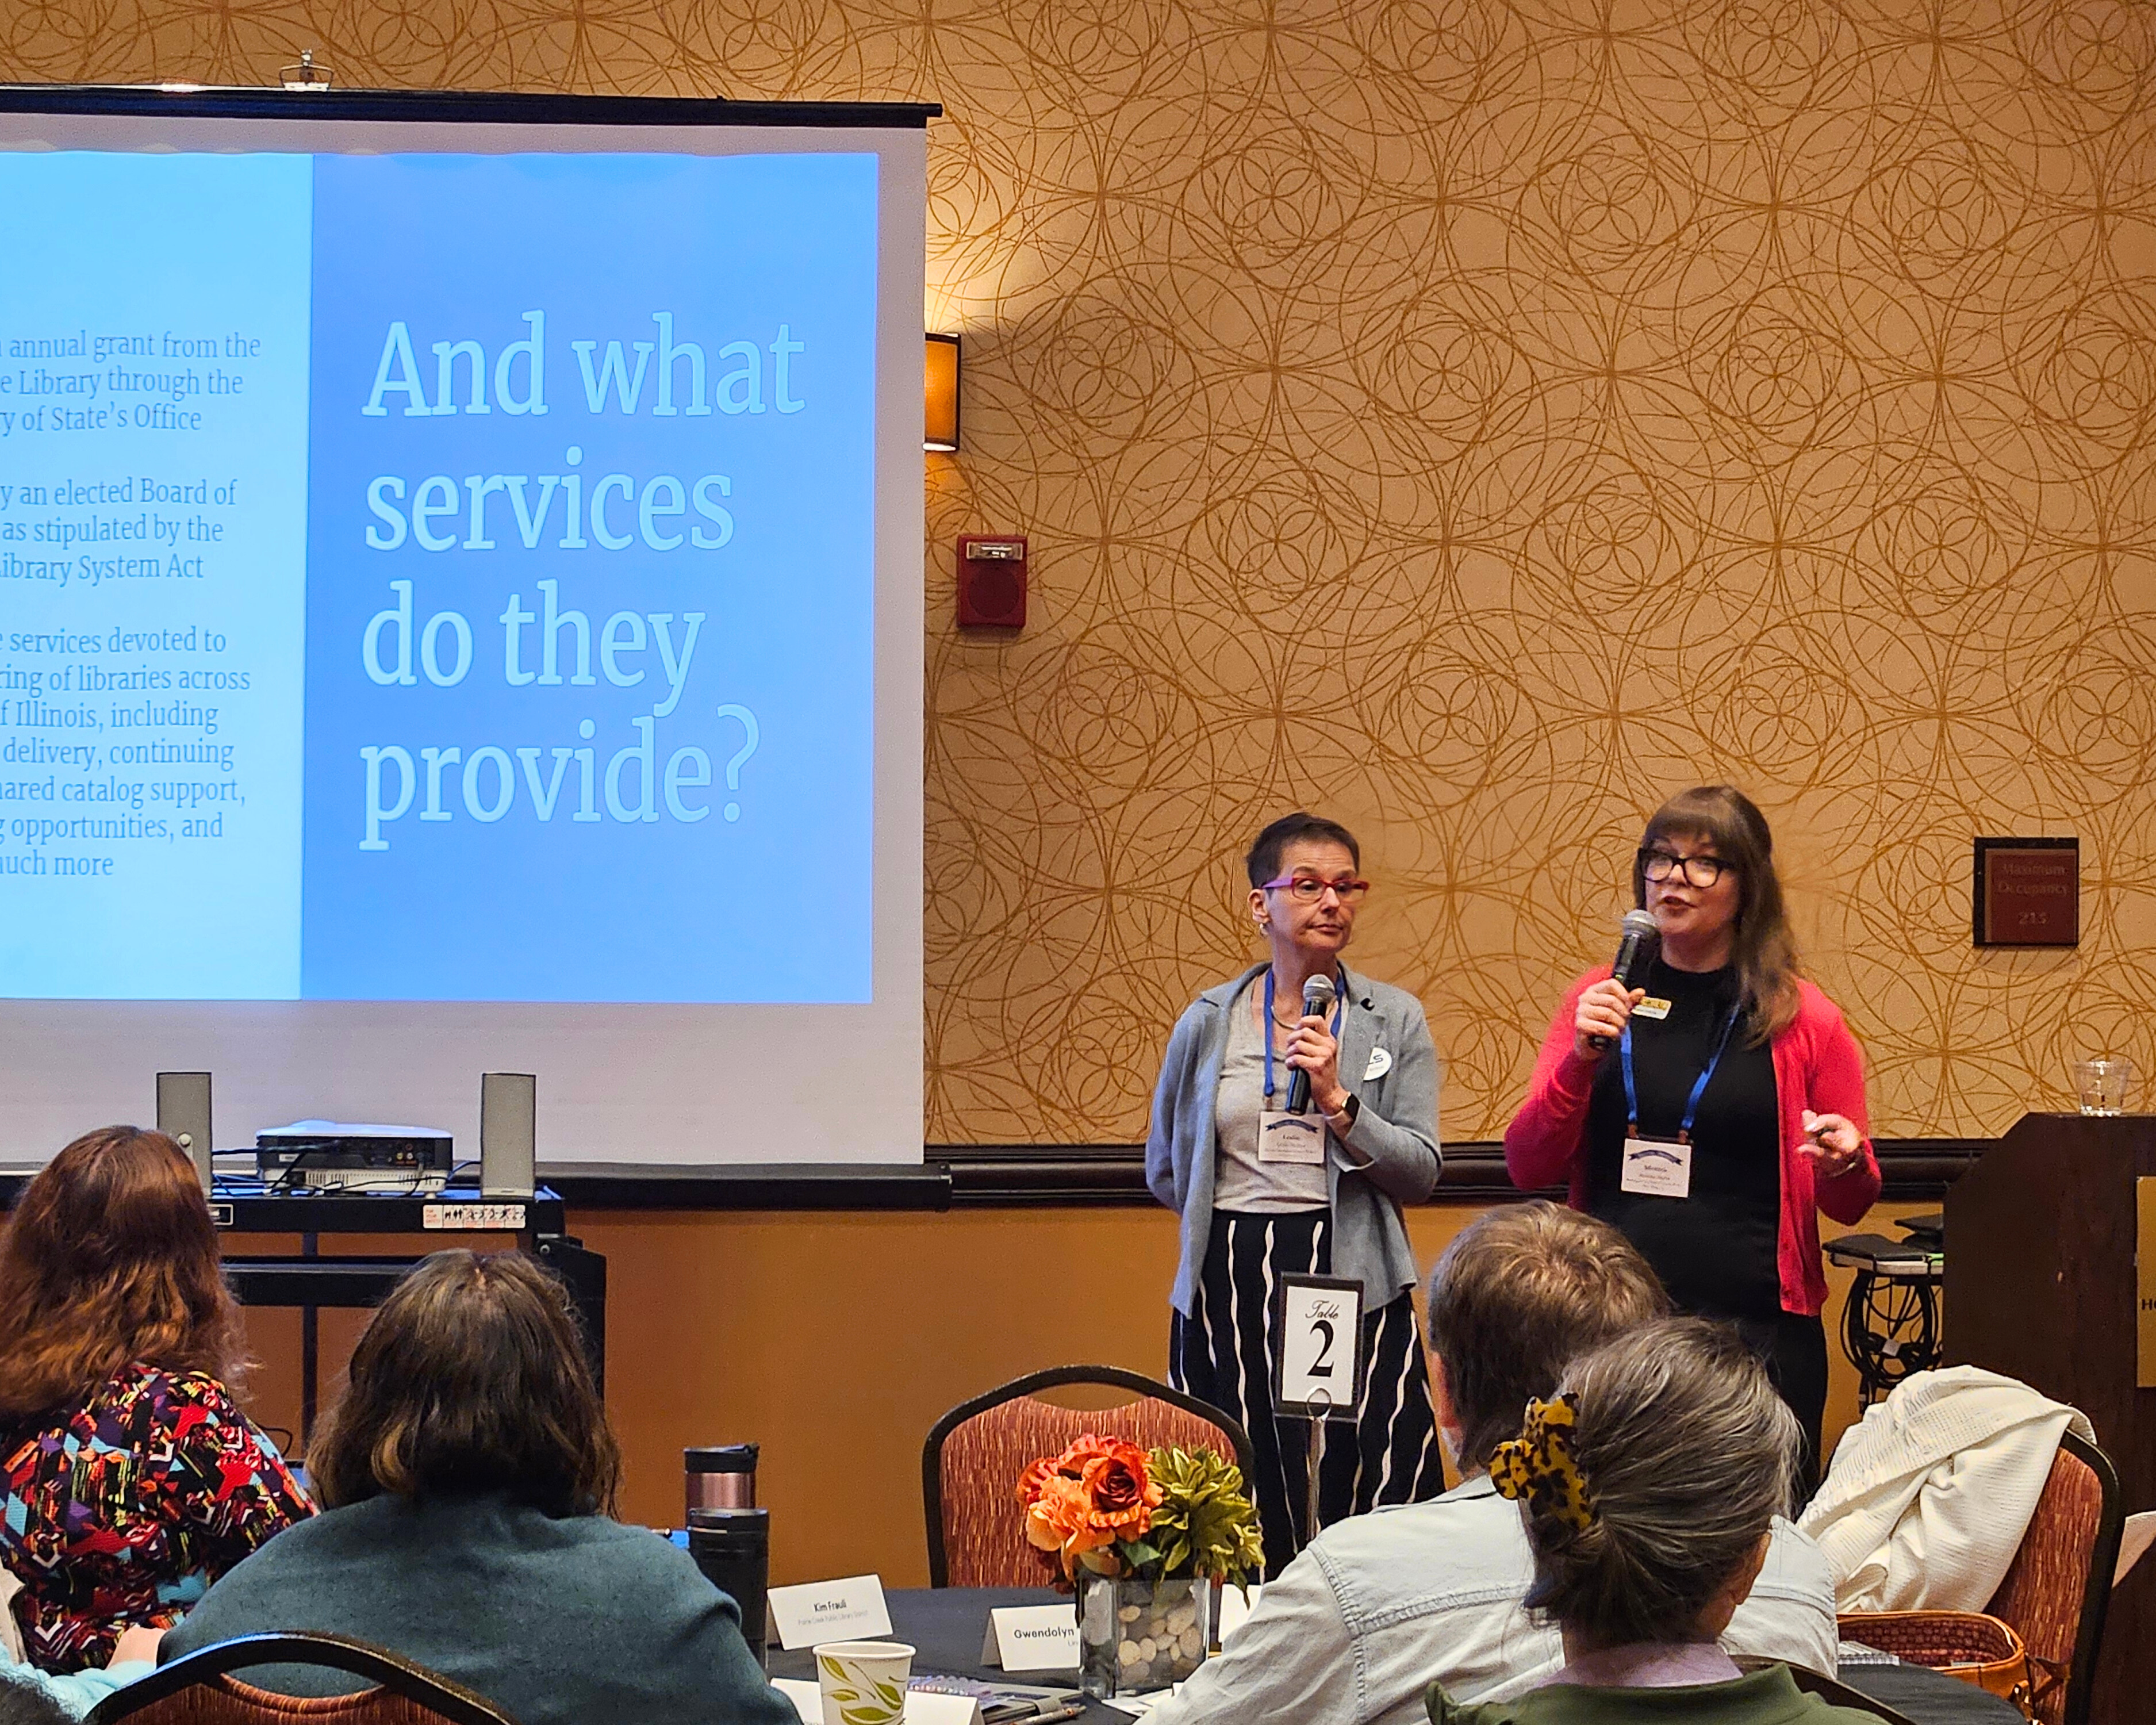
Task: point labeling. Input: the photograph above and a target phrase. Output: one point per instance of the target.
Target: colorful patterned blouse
(124, 1511)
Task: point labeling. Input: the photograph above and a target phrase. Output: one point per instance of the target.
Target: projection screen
(460, 610)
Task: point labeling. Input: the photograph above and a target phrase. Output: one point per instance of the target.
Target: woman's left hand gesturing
(1832, 1145)
(1312, 1049)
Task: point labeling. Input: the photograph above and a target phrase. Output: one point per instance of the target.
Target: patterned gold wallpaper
(1475, 419)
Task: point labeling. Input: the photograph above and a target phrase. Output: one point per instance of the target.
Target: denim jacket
(1389, 1158)
(1380, 1606)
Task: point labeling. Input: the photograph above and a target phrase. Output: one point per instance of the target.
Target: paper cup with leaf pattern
(863, 1682)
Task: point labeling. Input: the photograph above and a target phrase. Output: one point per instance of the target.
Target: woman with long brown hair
(467, 1478)
(133, 1479)
(1710, 1113)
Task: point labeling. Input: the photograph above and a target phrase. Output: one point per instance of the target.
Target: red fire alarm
(991, 581)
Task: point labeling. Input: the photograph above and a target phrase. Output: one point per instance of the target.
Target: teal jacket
(1390, 1156)
(73, 1693)
(565, 1621)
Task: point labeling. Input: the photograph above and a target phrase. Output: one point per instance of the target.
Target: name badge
(1292, 1137)
(1657, 1167)
(1032, 1638)
(1651, 1008)
(847, 1610)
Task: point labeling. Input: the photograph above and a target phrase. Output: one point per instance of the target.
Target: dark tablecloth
(946, 1625)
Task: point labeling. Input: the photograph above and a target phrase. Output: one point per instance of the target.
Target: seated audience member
(1356, 1627)
(24, 1702)
(1648, 1484)
(133, 1480)
(467, 1477)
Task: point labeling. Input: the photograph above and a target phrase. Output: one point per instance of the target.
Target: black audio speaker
(183, 1116)
(508, 1133)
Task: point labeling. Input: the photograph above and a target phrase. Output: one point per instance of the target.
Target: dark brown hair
(1263, 860)
(1518, 1292)
(1688, 1455)
(471, 1377)
(1762, 949)
(111, 1260)
(21, 1705)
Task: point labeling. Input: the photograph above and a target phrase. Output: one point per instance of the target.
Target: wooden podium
(2040, 1285)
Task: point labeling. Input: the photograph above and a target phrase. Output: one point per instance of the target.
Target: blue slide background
(771, 906)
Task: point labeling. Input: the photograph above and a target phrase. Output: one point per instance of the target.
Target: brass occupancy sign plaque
(2028, 892)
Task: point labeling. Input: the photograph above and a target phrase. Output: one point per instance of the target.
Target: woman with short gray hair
(1265, 1188)
(1650, 1484)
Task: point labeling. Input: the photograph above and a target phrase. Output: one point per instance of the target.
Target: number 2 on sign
(1321, 1367)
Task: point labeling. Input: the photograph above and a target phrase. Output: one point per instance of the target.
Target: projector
(330, 1156)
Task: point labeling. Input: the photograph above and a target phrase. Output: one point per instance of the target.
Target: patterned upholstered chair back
(2059, 1584)
(974, 1453)
(199, 1690)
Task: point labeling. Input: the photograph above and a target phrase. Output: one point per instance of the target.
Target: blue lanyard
(1698, 1090)
(1339, 1006)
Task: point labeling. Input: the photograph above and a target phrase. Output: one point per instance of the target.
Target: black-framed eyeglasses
(1702, 871)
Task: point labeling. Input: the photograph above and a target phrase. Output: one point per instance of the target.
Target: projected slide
(437, 577)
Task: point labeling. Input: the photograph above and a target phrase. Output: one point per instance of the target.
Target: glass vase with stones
(1135, 1636)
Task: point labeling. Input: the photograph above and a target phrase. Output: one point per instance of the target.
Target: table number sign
(1317, 1346)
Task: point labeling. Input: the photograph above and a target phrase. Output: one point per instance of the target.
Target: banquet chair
(199, 1690)
(971, 1462)
(2058, 1587)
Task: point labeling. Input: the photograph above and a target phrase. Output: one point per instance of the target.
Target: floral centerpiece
(1144, 1536)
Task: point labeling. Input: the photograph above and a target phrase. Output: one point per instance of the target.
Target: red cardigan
(1816, 1067)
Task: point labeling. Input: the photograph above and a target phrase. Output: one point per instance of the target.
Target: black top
(1715, 1250)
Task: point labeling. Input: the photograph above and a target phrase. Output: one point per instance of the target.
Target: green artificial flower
(1204, 1525)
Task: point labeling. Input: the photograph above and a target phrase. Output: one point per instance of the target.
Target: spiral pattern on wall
(1474, 420)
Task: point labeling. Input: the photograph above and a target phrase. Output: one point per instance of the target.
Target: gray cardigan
(1390, 1156)
(565, 1621)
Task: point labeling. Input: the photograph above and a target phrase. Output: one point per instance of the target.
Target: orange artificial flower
(1059, 1520)
(1083, 1449)
(1080, 1505)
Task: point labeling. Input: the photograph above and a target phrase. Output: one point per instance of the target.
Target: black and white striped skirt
(1223, 1353)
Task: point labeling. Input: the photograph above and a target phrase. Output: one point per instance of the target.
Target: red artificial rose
(1122, 1495)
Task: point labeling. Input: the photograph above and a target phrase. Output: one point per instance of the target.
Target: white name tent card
(1235, 1609)
(1032, 1638)
(923, 1707)
(849, 1610)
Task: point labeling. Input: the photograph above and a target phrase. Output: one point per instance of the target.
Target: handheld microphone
(1635, 951)
(1316, 1002)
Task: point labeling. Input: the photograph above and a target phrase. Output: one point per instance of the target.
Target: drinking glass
(2101, 1084)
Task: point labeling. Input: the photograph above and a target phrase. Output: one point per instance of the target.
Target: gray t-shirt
(1241, 1182)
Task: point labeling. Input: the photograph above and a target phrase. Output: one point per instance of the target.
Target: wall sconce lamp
(941, 428)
